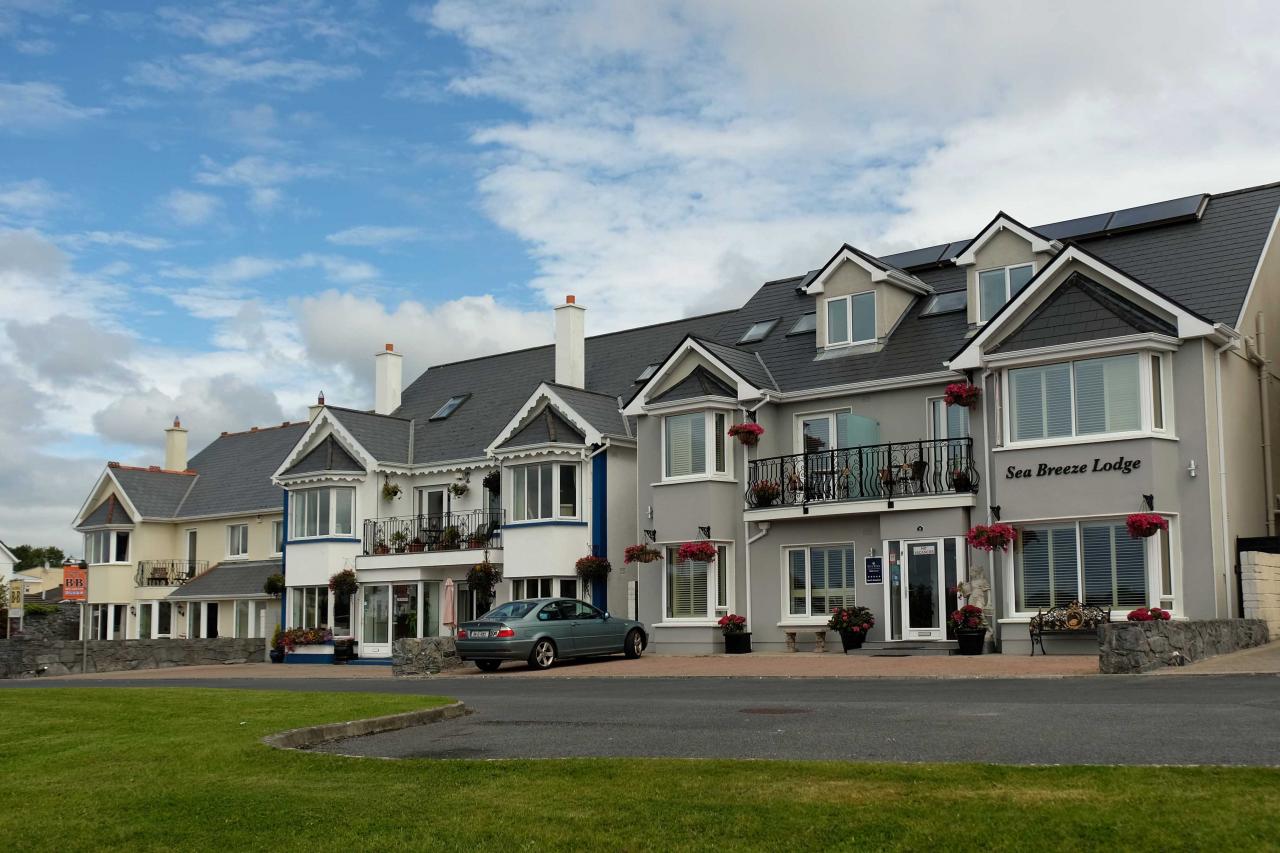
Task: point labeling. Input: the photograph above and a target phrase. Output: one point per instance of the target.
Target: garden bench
(820, 639)
(1073, 618)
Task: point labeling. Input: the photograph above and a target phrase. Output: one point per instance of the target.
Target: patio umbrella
(449, 610)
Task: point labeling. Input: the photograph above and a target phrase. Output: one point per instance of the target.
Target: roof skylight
(758, 331)
(806, 323)
(451, 405)
(945, 303)
(648, 372)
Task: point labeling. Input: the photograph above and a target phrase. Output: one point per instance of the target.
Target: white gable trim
(9, 556)
(746, 391)
(1001, 223)
(878, 274)
(314, 435)
(1017, 310)
(544, 396)
(90, 504)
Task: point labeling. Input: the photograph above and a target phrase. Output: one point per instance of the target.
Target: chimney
(175, 447)
(387, 380)
(312, 411)
(571, 359)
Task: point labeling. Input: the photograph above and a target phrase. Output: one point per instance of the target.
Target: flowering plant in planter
(295, 637)
(1149, 614)
(988, 537)
(390, 491)
(1145, 524)
(483, 579)
(747, 433)
(961, 394)
(701, 551)
(765, 492)
(493, 482)
(592, 568)
(732, 624)
(851, 620)
(969, 618)
(640, 554)
(458, 489)
(343, 582)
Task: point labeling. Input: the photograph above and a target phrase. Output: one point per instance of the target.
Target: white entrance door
(922, 575)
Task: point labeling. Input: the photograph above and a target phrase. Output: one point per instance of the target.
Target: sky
(218, 210)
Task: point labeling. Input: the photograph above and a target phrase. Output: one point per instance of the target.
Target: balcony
(168, 572)
(416, 534)
(874, 472)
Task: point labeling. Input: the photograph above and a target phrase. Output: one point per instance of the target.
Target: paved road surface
(1226, 719)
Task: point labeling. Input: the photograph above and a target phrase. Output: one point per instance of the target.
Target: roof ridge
(366, 412)
(1271, 186)
(251, 430)
(581, 390)
(153, 469)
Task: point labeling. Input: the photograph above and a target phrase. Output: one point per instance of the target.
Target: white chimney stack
(175, 447)
(571, 357)
(388, 380)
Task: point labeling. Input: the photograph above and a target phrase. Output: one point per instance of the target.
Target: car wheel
(634, 645)
(488, 665)
(543, 654)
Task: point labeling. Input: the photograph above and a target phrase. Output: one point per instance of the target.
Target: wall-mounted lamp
(133, 611)
(1150, 501)
(705, 531)
(182, 609)
(995, 512)
(651, 535)
(1191, 469)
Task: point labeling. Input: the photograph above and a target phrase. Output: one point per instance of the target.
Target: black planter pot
(971, 642)
(852, 639)
(737, 644)
(277, 655)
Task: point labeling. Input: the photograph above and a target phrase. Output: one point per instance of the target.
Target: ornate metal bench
(1074, 618)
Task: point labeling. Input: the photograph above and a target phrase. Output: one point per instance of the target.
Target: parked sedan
(544, 630)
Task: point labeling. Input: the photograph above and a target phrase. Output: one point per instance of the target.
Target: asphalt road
(1106, 720)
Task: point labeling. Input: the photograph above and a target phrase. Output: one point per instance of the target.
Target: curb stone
(309, 736)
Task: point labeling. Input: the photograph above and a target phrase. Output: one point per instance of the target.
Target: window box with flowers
(737, 639)
(969, 624)
(852, 624)
(1149, 614)
(747, 433)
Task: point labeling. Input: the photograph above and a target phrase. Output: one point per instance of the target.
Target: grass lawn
(183, 769)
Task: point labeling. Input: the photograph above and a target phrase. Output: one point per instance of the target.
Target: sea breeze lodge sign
(1119, 465)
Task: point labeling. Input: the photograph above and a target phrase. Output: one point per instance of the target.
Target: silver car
(544, 630)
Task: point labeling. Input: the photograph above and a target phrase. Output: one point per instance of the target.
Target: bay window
(819, 579)
(544, 588)
(316, 513)
(998, 286)
(1095, 396)
(310, 606)
(1095, 562)
(106, 546)
(686, 451)
(544, 491)
(851, 319)
(696, 590)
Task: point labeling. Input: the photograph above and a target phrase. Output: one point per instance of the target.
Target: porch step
(902, 650)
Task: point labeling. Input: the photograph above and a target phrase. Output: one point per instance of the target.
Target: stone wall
(1260, 581)
(1126, 647)
(62, 624)
(24, 657)
(426, 656)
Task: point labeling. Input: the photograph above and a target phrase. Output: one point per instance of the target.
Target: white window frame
(714, 609)
(809, 617)
(232, 553)
(109, 551)
(930, 407)
(277, 538)
(557, 466)
(324, 606)
(1005, 269)
(711, 471)
(154, 607)
(554, 585)
(1145, 402)
(848, 319)
(297, 498)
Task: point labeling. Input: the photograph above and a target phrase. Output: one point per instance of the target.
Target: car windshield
(510, 610)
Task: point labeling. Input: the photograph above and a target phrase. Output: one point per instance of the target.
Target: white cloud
(262, 177)
(187, 207)
(29, 199)
(126, 239)
(375, 235)
(211, 72)
(33, 106)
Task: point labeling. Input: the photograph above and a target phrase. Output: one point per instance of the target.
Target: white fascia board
(1002, 222)
(8, 555)
(1030, 297)
(314, 436)
(1148, 340)
(544, 449)
(871, 386)
(746, 391)
(86, 507)
(878, 274)
(544, 396)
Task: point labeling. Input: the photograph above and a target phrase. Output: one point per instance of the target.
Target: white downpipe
(1264, 392)
(749, 539)
(1222, 485)
(986, 479)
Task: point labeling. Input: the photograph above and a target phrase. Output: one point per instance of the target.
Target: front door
(922, 575)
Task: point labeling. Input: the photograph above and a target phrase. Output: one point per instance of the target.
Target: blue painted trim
(284, 559)
(509, 525)
(370, 662)
(324, 539)
(294, 657)
(600, 523)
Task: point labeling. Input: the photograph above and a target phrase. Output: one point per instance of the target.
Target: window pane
(957, 421)
(164, 618)
(242, 618)
(518, 496)
(569, 491)
(721, 427)
(686, 588)
(722, 579)
(1041, 401)
(313, 509)
(1107, 395)
(546, 491)
(837, 321)
(796, 584)
(1046, 574)
(1115, 566)
(323, 512)
(1018, 278)
(991, 293)
(1166, 565)
(1066, 565)
(568, 588)
(344, 500)
(531, 491)
(144, 621)
(122, 547)
(686, 451)
(1157, 392)
(377, 614)
(864, 316)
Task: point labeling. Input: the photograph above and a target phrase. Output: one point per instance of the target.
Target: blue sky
(217, 210)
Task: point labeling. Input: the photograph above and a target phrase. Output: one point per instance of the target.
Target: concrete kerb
(310, 736)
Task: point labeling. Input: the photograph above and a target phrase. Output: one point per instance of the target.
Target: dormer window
(851, 319)
(998, 286)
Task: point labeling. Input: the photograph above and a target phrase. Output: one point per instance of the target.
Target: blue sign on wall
(875, 573)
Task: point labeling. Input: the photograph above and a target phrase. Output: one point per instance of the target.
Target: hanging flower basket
(962, 394)
(344, 582)
(640, 554)
(484, 576)
(765, 493)
(458, 489)
(1149, 614)
(390, 491)
(1143, 525)
(592, 568)
(988, 537)
(493, 482)
(747, 433)
(274, 585)
(701, 551)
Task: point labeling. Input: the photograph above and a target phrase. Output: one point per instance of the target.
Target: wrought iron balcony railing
(168, 572)
(869, 472)
(451, 531)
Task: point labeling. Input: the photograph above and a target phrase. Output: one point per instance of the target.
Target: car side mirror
(606, 617)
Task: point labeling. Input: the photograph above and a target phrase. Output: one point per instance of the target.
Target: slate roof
(1082, 310)
(699, 383)
(545, 427)
(386, 437)
(328, 455)
(153, 492)
(746, 363)
(234, 579)
(110, 511)
(599, 410)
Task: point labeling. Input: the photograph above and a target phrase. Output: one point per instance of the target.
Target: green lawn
(183, 769)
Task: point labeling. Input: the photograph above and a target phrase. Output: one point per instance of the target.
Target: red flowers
(1149, 614)
(294, 637)
(701, 551)
(968, 618)
(592, 567)
(851, 620)
(1145, 524)
(640, 554)
(748, 433)
(988, 537)
(765, 492)
(961, 394)
(733, 624)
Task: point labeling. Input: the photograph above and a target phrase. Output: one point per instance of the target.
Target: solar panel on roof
(1161, 211)
(1075, 227)
(945, 303)
(915, 257)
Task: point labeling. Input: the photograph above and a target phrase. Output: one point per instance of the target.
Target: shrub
(274, 585)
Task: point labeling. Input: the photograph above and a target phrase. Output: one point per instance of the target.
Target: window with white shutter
(1096, 396)
(693, 586)
(1095, 562)
(819, 579)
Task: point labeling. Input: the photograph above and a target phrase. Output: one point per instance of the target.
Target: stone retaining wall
(1126, 647)
(426, 656)
(24, 657)
(1260, 584)
(62, 624)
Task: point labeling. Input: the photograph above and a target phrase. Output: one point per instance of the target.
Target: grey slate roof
(699, 383)
(599, 410)
(109, 511)
(153, 492)
(328, 455)
(746, 363)
(235, 579)
(385, 437)
(1082, 310)
(545, 427)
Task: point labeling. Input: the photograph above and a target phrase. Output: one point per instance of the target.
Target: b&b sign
(73, 583)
